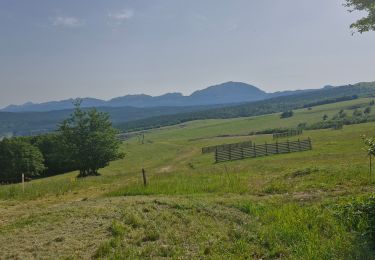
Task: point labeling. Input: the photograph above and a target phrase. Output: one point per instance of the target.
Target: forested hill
(33, 123)
(273, 105)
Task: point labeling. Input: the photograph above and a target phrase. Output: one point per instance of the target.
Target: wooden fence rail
(225, 147)
(239, 153)
(287, 134)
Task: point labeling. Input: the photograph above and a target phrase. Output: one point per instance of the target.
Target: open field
(281, 206)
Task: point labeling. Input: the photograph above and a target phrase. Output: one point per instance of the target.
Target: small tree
(18, 157)
(91, 140)
(325, 117)
(370, 148)
(286, 114)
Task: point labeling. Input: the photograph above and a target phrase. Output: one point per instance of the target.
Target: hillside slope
(283, 206)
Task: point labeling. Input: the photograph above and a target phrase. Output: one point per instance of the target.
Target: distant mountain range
(226, 100)
(226, 93)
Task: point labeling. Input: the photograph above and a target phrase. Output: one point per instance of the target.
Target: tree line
(85, 141)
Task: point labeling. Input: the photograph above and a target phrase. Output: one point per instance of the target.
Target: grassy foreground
(282, 206)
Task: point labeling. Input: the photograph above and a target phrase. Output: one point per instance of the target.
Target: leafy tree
(372, 102)
(370, 148)
(17, 157)
(325, 117)
(367, 23)
(55, 153)
(286, 114)
(91, 140)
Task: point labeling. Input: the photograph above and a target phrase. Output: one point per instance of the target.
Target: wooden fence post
(254, 151)
(23, 182)
(299, 144)
(287, 142)
(144, 177)
(265, 145)
(277, 147)
(310, 143)
(242, 153)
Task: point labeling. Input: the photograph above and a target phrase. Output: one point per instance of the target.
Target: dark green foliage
(286, 114)
(330, 101)
(18, 156)
(90, 140)
(325, 117)
(367, 23)
(270, 131)
(56, 154)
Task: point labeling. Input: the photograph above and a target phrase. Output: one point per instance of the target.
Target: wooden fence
(287, 134)
(225, 147)
(266, 149)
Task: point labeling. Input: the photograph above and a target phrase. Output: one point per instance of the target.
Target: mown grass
(282, 206)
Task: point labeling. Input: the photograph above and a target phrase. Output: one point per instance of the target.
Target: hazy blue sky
(54, 49)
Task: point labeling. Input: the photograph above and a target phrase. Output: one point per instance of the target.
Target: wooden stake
(144, 177)
(23, 182)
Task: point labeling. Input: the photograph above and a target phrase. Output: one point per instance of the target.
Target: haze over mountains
(226, 93)
(138, 112)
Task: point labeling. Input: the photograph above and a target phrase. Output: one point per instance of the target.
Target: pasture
(281, 206)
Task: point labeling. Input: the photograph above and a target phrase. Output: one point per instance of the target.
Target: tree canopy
(90, 139)
(367, 23)
(18, 156)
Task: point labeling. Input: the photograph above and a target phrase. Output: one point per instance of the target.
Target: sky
(53, 49)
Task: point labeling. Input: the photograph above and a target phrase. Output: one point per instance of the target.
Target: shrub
(286, 114)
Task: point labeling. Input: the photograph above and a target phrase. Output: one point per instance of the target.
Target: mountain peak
(226, 93)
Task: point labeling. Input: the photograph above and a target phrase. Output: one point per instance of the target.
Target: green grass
(281, 206)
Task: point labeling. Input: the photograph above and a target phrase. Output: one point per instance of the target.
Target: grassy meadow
(282, 206)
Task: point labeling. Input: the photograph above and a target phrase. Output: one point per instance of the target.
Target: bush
(286, 114)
